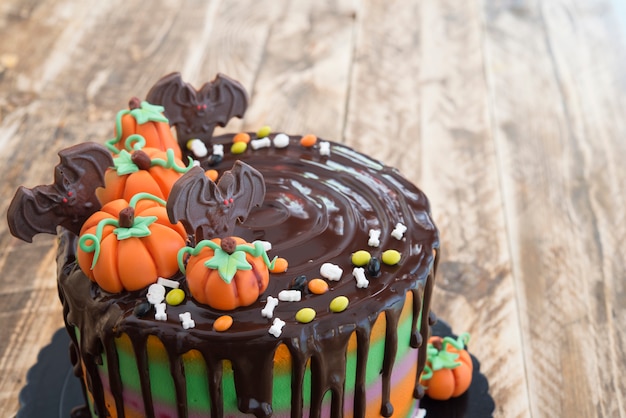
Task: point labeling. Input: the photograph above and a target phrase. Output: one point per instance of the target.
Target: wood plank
(302, 83)
(549, 179)
(590, 75)
(475, 291)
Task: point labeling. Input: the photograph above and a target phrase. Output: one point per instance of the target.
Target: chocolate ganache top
(317, 209)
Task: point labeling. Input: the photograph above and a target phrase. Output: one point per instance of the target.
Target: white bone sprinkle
(260, 143)
(277, 327)
(160, 314)
(218, 149)
(398, 231)
(325, 148)
(185, 319)
(359, 275)
(268, 310)
(290, 295)
(172, 284)
(374, 238)
(331, 272)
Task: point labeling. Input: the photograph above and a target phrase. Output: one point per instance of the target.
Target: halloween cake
(250, 274)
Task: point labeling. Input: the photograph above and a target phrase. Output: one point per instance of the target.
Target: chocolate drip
(298, 368)
(316, 208)
(140, 347)
(215, 372)
(392, 317)
(115, 379)
(177, 369)
(363, 348)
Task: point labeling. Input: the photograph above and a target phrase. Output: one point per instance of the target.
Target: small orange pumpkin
(129, 245)
(448, 370)
(148, 170)
(226, 273)
(145, 120)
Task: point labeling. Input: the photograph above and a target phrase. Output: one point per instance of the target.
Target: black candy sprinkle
(141, 309)
(373, 267)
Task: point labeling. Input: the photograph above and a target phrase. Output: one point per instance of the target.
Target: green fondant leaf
(139, 229)
(228, 265)
(445, 360)
(124, 164)
(148, 113)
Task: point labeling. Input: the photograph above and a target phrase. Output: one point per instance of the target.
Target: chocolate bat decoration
(195, 113)
(209, 210)
(69, 201)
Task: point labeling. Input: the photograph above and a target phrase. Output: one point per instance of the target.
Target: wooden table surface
(509, 114)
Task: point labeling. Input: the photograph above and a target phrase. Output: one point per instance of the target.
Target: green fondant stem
(170, 163)
(110, 143)
(140, 196)
(134, 142)
(95, 239)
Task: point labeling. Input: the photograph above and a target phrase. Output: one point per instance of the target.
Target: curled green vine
(138, 227)
(226, 264)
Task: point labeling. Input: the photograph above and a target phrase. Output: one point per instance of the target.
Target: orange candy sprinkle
(280, 265)
(241, 137)
(308, 140)
(223, 323)
(318, 286)
(211, 174)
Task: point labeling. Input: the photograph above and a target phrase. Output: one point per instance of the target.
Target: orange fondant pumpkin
(448, 371)
(208, 286)
(129, 245)
(148, 121)
(149, 170)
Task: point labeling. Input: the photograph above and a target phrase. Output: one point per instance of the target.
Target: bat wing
(226, 97)
(174, 95)
(83, 164)
(191, 201)
(69, 201)
(30, 211)
(246, 187)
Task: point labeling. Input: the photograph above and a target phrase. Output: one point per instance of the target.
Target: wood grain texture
(509, 114)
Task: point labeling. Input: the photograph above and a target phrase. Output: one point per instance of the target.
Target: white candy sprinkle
(172, 284)
(268, 310)
(197, 147)
(290, 295)
(325, 148)
(420, 413)
(267, 246)
(399, 231)
(218, 149)
(359, 275)
(277, 327)
(156, 293)
(196, 163)
(374, 239)
(281, 140)
(331, 271)
(260, 143)
(160, 314)
(185, 319)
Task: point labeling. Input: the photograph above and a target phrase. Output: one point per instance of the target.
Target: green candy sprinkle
(175, 297)
(361, 258)
(263, 132)
(305, 315)
(339, 304)
(391, 257)
(238, 147)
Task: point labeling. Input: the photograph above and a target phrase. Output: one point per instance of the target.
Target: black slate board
(52, 391)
